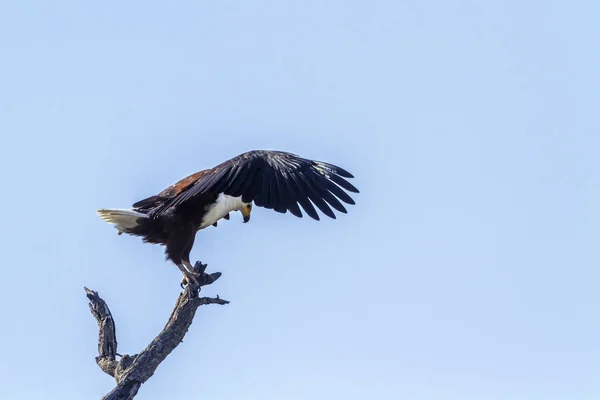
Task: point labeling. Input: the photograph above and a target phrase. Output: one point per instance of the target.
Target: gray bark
(130, 372)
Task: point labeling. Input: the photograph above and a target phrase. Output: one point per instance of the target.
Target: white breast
(224, 205)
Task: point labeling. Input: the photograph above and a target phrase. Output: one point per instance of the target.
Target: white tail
(122, 219)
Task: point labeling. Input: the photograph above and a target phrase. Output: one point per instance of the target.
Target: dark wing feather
(148, 203)
(319, 183)
(302, 197)
(338, 192)
(335, 169)
(283, 196)
(252, 187)
(343, 183)
(275, 180)
(316, 199)
(239, 181)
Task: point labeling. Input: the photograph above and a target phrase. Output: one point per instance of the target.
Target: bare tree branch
(131, 372)
(107, 339)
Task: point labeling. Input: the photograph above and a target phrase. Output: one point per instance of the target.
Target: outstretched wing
(275, 180)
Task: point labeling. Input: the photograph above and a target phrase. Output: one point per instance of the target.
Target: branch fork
(130, 372)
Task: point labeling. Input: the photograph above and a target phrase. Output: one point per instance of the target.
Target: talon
(190, 278)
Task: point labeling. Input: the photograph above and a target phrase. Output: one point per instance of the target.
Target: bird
(275, 180)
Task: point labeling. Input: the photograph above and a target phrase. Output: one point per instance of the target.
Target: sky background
(468, 268)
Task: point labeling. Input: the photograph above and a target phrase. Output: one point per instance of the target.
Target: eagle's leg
(189, 267)
(190, 275)
(178, 249)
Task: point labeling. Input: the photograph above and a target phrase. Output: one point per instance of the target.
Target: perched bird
(274, 180)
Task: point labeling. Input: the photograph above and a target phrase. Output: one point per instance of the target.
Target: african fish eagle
(274, 180)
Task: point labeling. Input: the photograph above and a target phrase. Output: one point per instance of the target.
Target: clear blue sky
(467, 270)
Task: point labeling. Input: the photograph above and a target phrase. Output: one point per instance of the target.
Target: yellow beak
(246, 214)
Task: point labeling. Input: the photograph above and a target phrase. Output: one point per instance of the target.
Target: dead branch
(131, 372)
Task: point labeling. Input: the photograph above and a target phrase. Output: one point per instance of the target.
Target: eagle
(275, 180)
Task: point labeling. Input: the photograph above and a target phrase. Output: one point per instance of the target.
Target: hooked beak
(246, 214)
